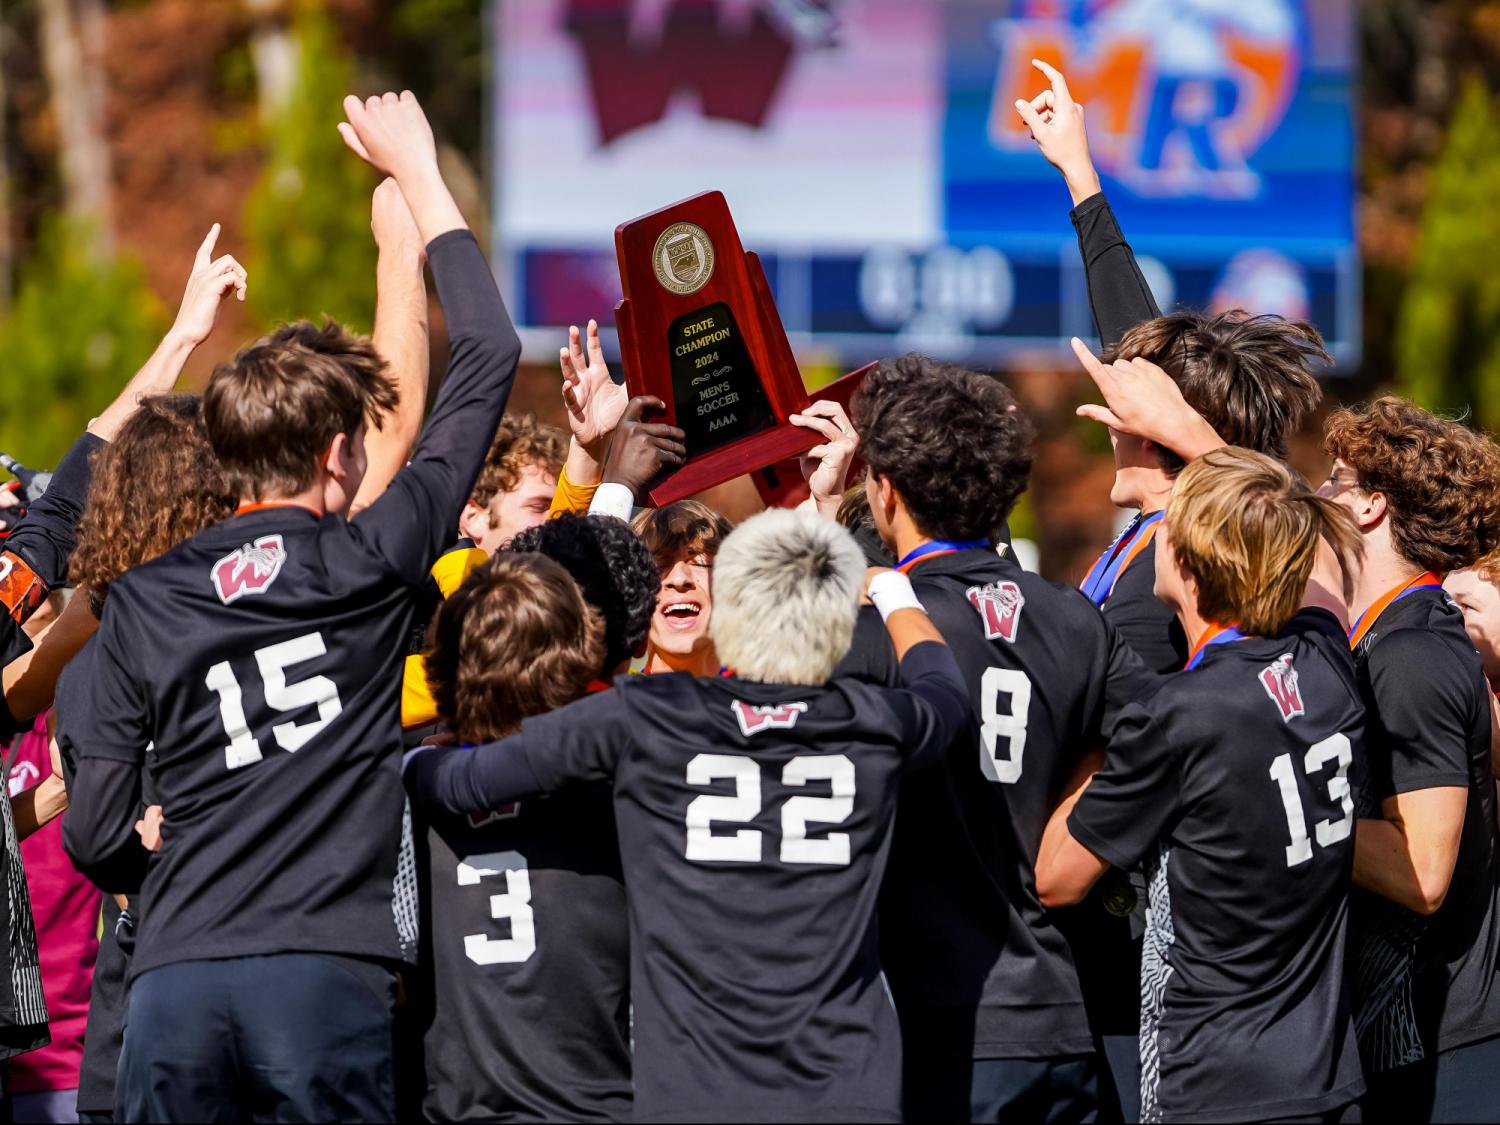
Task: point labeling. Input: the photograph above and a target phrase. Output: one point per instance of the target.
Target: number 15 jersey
(254, 671)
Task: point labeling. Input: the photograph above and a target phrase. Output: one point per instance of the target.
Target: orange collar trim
(1367, 619)
(265, 505)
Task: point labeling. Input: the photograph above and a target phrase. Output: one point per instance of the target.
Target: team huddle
(425, 774)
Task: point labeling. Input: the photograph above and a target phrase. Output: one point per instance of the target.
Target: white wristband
(613, 500)
(891, 590)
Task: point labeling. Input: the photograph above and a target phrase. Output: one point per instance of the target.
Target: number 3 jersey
(967, 944)
(526, 963)
(1236, 783)
(254, 672)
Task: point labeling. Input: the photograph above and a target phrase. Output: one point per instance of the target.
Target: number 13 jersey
(1236, 782)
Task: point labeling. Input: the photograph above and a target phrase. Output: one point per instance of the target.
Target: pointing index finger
(206, 248)
(1054, 76)
(1097, 371)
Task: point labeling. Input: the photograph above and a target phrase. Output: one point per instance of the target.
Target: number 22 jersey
(754, 821)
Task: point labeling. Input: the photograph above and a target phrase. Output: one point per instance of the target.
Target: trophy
(699, 330)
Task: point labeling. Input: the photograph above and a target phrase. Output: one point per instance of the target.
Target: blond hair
(786, 595)
(1248, 530)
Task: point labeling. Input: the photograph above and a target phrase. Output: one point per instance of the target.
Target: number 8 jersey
(1236, 783)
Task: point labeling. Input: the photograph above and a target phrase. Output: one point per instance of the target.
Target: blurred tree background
(128, 126)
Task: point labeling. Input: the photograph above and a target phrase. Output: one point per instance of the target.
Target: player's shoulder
(1004, 595)
(1424, 654)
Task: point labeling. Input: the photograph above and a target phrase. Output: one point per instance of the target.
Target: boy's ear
(473, 521)
(333, 458)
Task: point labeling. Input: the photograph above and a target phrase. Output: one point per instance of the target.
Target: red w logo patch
(504, 812)
(1279, 679)
(755, 719)
(999, 606)
(249, 570)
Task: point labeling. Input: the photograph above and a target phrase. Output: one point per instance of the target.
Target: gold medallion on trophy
(684, 258)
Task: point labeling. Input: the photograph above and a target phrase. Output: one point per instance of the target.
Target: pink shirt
(66, 908)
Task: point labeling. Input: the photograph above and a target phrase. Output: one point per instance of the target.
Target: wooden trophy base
(781, 485)
(736, 459)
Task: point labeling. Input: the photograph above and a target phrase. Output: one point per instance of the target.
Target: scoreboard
(871, 155)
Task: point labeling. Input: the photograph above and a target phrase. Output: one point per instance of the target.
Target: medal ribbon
(1427, 580)
(1102, 576)
(1216, 635)
(935, 547)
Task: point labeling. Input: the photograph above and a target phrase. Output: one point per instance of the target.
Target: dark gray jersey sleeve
(933, 707)
(1118, 294)
(417, 516)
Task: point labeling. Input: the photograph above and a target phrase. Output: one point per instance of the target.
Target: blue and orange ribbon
(1427, 580)
(935, 547)
(1214, 635)
(1102, 576)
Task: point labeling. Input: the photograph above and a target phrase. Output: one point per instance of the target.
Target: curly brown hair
(951, 441)
(1438, 477)
(516, 639)
(157, 484)
(520, 442)
(1251, 377)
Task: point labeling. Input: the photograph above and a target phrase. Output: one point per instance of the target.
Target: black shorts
(289, 1037)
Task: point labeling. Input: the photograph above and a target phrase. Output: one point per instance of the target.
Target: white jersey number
(514, 905)
(703, 846)
(1009, 725)
(1334, 748)
(273, 661)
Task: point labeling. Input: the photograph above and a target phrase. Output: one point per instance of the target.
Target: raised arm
(210, 281)
(1118, 294)
(36, 553)
(595, 404)
(400, 336)
(414, 519)
(825, 466)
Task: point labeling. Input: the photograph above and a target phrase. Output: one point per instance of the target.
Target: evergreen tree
(308, 218)
(1448, 332)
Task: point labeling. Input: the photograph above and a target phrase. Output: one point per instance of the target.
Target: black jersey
(35, 556)
(1144, 621)
(527, 955)
(754, 822)
(963, 932)
(254, 671)
(1428, 984)
(1235, 782)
